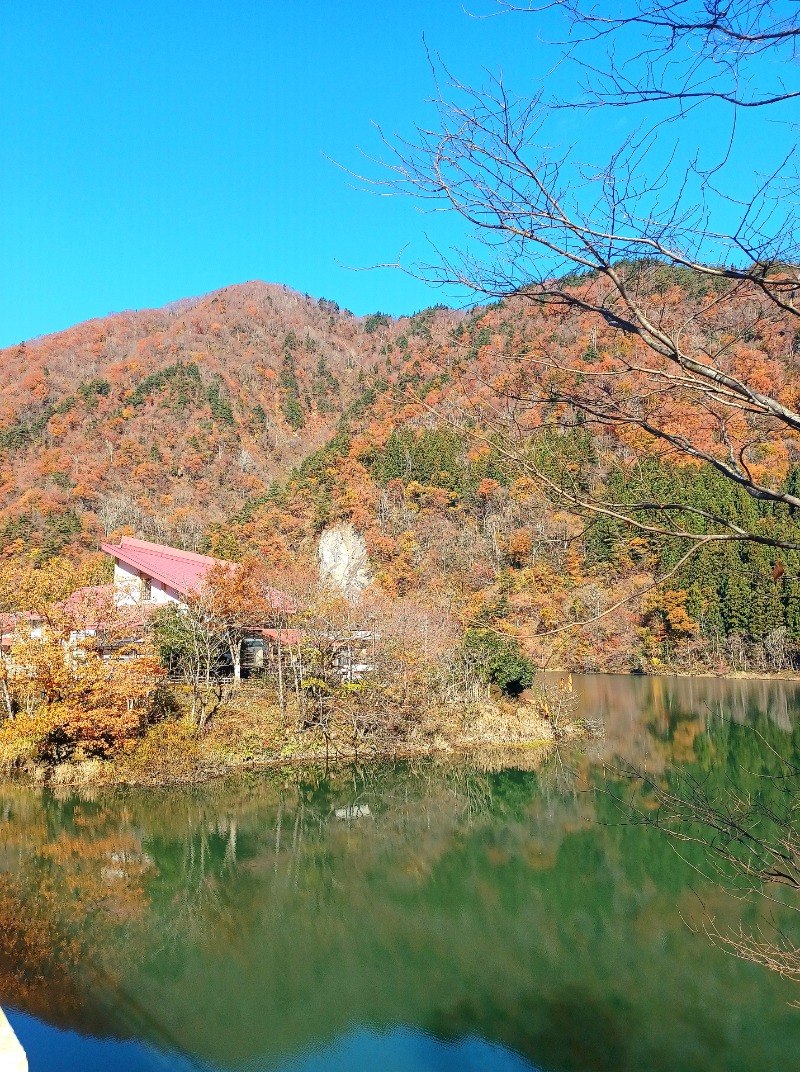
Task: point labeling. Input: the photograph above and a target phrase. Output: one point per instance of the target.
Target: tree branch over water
(679, 258)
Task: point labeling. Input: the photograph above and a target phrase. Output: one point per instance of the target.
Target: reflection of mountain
(85, 1053)
(635, 710)
(243, 922)
(404, 1050)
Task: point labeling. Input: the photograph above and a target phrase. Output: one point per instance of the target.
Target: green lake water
(494, 913)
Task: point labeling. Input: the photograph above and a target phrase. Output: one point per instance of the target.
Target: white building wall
(128, 588)
(161, 593)
(127, 585)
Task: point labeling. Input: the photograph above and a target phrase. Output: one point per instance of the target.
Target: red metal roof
(93, 608)
(287, 636)
(89, 607)
(181, 570)
(9, 623)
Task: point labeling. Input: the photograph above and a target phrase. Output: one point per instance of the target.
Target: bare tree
(194, 646)
(605, 239)
(692, 51)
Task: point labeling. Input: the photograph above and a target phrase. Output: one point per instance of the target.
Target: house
(10, 623)
(147, 572)
(151, 575)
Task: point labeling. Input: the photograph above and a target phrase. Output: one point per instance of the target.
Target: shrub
(72, 704)
(498, 660)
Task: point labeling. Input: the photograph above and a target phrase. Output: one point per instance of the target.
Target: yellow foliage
(64, 702)
(666, 613)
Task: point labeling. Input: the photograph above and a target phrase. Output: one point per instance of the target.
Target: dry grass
(505, 725)
(168, 752)
(249, 730)
(85, 772)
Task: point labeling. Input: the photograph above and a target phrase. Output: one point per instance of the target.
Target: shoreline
(729, 675)
(251, 732)
(115, 772)
(173, 754)
(105, 773)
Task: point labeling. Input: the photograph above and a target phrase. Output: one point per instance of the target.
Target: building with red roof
(147, 572)
(151, 575)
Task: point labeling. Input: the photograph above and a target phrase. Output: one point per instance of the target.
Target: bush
(168, 751)
(498, 660)
(71, 704)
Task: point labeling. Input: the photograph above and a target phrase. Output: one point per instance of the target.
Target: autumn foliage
(245, 422)
(66, 702)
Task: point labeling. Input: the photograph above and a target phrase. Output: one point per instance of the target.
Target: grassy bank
(248, 729)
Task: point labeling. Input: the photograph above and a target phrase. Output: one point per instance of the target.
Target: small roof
(9, 623)
(181, 570)
(90, 606)
(93, 607)
(286, 636)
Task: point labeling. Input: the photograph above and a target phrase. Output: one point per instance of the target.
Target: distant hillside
(166, 419)
(253, 417)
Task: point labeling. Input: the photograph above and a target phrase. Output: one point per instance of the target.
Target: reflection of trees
(472, 898)
(570, 1030)
(100, 885)
(56, 877)
(733, 811)
(37, 967)
(641, 715)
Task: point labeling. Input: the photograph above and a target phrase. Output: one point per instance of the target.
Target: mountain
(164, 420)
(254, 417)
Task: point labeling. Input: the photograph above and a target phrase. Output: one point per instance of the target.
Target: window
(147, 588)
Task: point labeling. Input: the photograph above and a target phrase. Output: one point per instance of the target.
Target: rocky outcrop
(343, 560)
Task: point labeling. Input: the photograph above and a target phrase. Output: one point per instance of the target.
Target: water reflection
(404, 1050)
(400, 1050)
(634, 709)
(486, 911)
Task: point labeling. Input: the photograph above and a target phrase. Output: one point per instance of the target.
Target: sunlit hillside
(254, 417)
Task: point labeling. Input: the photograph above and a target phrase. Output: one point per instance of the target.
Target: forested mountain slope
(253, 417)
(166, 419)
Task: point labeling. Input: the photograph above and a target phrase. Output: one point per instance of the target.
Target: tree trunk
(297, 671)
(7, 700)
(281, 700)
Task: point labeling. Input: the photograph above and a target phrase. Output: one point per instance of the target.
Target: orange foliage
(71, 703)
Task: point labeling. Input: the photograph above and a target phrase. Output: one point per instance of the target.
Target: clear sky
(156, 149)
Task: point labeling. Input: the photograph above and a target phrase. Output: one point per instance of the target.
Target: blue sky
(156, 149)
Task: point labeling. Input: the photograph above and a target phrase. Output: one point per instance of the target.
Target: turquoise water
(494, 913)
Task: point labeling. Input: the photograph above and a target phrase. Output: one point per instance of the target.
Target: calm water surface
(489, 915)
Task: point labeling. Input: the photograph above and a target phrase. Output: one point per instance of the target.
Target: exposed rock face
(343, 560)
